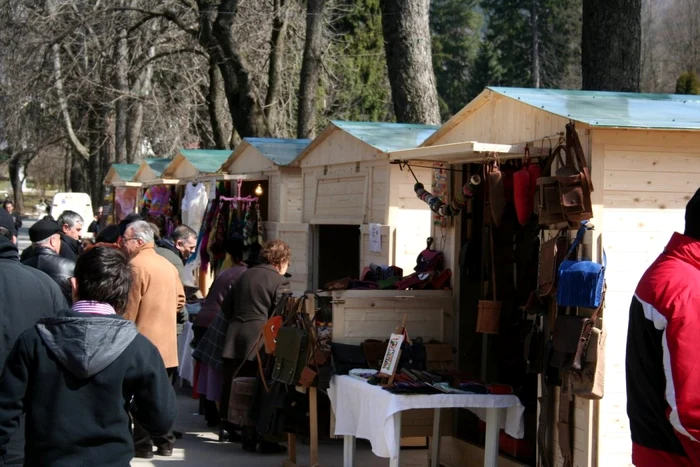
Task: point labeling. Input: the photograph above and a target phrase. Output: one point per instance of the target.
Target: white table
(369, 412)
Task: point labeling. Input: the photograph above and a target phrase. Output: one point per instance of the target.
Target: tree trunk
(78, 169)
(310, 69)
(409, 60)
(274, 73)
(122, 101)
(246, 112)
(216, 104)
(535, 46)
(611, 45)
(15, 166)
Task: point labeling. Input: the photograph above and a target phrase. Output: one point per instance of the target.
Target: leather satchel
(243, 391)
(590, 382)
(347, 357)
(570, 341)
(547, 193)
(290, 355)
(270, 332)
(552, 254)
(374, 351)
(574, 180)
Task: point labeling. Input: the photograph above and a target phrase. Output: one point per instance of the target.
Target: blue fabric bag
(581, 283)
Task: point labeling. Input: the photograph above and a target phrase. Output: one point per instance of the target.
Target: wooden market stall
(151, 169)
(642, 153)
(122, 197)
(350, 188)
(264, 164)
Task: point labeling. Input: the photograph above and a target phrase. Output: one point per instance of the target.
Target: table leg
(435, 461)
(493, 425)
(396, 461)
(313, 427)
(349, 451)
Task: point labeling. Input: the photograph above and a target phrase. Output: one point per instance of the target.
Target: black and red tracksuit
(663, 359)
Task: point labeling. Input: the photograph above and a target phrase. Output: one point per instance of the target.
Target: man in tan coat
(155, 297)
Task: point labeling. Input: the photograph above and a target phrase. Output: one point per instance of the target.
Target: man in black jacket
(26, 295)
(78, 373)
(71, 224)
(46, 241)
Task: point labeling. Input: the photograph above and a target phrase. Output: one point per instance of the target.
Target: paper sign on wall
(375, 238)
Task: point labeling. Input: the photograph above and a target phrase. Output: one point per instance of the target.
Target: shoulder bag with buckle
(581, 283)
(552, 254)
(574, 180)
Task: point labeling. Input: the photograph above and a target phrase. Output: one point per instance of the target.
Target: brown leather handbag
(552, 254)
(547, 193)
(270, 331)
(574, 180)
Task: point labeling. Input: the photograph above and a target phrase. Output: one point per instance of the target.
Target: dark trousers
(144, 442)
(15, 447)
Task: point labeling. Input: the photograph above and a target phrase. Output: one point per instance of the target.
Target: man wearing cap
(46, 242)
(26, 296)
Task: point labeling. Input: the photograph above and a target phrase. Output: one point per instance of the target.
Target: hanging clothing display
(223, 218)
(194, 205)
(125, 202)
(156, 201)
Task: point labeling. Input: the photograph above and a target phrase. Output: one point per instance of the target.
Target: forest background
(85, 83)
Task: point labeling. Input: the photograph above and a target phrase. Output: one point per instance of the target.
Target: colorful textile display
(455, 207)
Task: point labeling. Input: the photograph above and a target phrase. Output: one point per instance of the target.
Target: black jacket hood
(165, 242)
(8, 250)
(86, 344)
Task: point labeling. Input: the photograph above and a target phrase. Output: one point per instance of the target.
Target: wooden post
(313, 427)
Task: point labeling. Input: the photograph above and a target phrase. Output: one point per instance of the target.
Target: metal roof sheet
(158, 165)
(280, 151)
(614, 109)
(206, 160)
(126, 171)
(388, 137)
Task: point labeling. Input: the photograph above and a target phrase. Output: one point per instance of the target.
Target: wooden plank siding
(297, 237)
(647, 184)
(502, 120)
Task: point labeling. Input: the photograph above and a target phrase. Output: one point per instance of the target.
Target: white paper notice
(375, 238)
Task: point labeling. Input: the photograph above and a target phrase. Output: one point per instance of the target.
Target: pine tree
(456, 32)
(510, 31)
(486, 70)
(360, 89)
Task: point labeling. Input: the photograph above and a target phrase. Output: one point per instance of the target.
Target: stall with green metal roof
(262, 167)
(643, 155)
(150, 171)
(122, 191)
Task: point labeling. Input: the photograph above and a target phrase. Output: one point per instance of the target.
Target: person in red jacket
(663, 351)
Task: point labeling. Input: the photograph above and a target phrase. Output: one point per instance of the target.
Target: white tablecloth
(366, 411)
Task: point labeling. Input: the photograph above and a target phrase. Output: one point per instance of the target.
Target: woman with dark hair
(109, 234)
(248, 305)
(210, 379)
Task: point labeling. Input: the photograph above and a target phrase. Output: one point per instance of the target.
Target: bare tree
(409, 59)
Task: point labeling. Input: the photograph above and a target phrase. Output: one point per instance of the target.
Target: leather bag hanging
(489, 311)
(552, 254)
(589, 383)
(547, 193)
(495, 195)
(581, 283)
(574, 180)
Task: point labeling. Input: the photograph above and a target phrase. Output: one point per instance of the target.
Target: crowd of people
(88, 352)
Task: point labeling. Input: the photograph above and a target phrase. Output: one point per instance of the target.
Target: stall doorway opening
(337, 253)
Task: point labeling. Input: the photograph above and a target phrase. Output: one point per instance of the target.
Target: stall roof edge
(126, 172)
(599, 109)
(205, 160)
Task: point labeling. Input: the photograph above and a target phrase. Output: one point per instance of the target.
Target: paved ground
(199, 447)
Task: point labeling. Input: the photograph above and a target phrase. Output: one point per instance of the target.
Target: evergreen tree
(360, 86)
(688, 83)
(456, 32)
(485, 72)
(511, 31)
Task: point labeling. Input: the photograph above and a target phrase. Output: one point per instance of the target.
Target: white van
(76, 202)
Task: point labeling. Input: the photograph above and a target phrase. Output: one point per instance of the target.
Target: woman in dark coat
(248, 305)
